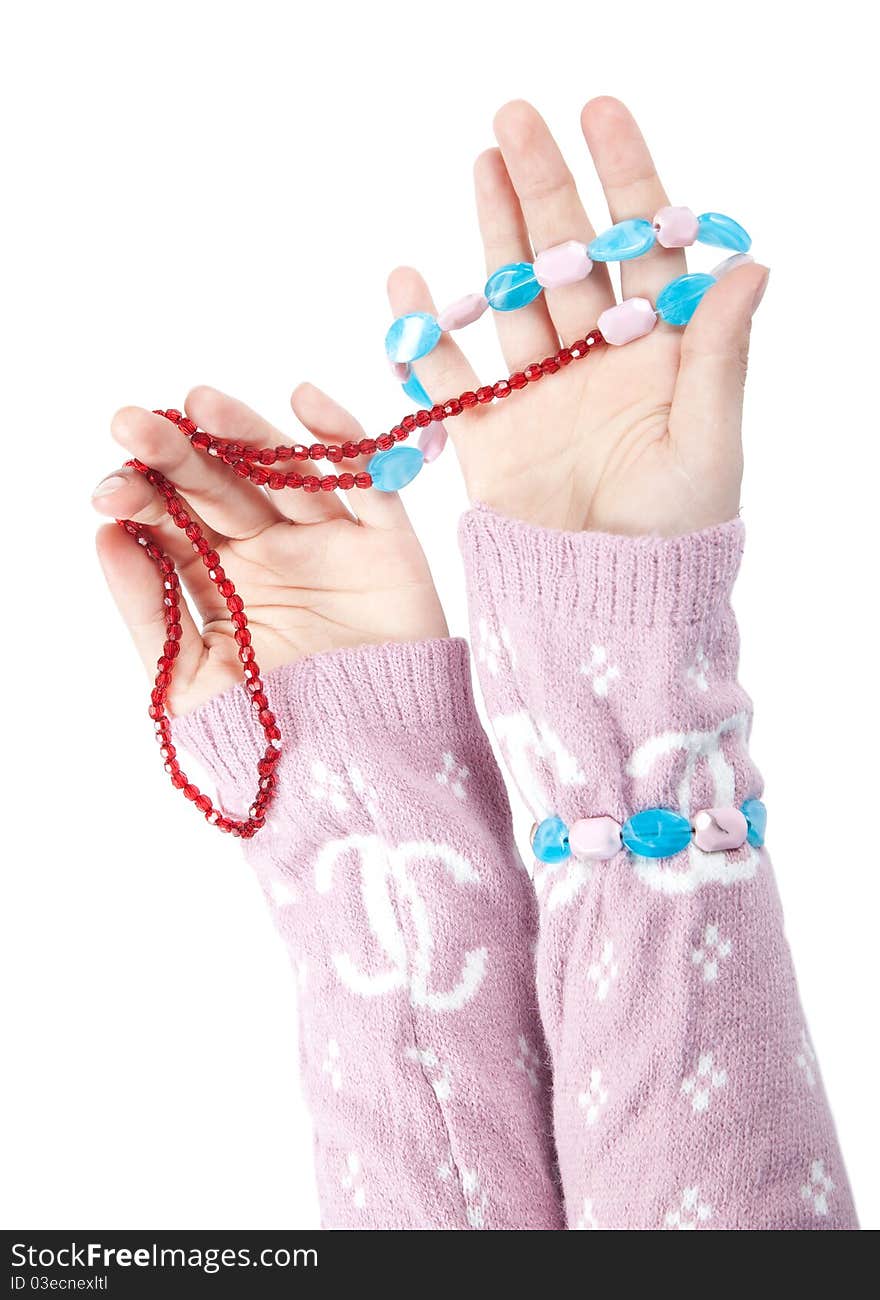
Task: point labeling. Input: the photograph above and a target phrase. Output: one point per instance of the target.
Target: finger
(632, 188)
(229, 418)
(140, 598)
(706, 415)
(126, 494)
(227, 503)
(553, 213)
(329, 421)
(527, 334)
(445, 372)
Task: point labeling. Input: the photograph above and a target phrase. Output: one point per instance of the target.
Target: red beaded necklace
(252, 463)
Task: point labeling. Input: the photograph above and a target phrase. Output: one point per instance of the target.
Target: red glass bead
(334, 454)
(317, 451)
(453, 407)
(200, 440)
(311, 483)
(346, 481)
(328, 483)
(276, 481)
(350, 450)
(384, 442)
(283, 452)
(363, 480)
(293, 479)
(533, 372)
(367, 446)
(485, 395)
(408, 422)
(423, 419)
(502, 388)
(468, 400)
(549, 365)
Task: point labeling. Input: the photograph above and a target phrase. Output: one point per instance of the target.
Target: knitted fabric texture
(389, 866)
(686, 1092)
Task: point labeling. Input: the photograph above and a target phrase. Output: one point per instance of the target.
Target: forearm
(685, 1090)
(389, 866)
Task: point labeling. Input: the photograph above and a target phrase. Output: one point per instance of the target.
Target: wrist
(600, 578)
(333, 705)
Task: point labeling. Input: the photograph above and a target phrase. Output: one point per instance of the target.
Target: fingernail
(112, 483)
(762, 289)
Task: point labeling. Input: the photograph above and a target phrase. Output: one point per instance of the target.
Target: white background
(214, 193)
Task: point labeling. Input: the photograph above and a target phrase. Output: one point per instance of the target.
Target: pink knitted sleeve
(686, 1090)
(392, 876)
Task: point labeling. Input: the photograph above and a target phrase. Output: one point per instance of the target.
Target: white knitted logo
(388, 889)
(689, 1213)
(667, 876)
(587, 1221)
(332, 1064)
(532, 750)
(705, 1081)
(453, 775)
(495, 650)
(595, 1098)
(603, 971)
(528, 1062)
(818, 1188)
(712, 950)
(353, 1180)
(600, 672)
(437, 1075)
(805, 1059)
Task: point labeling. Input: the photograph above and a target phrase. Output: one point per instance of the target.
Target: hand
(312, 576)
(643, 438)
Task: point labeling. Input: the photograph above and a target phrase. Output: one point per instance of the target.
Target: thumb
(707, 404)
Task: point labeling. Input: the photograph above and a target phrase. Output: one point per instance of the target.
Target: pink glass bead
(401, 370)
(595, 838)
(463, 312)
(676, 227)
(717, 829)
(630, 319)
(432, 440)
(563, 264)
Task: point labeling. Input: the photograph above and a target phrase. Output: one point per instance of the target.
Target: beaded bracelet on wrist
(651, 833)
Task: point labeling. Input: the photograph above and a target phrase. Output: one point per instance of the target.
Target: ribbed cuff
(627, 581)
(353, 698)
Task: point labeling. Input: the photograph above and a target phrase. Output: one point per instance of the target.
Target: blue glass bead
(622, 242)
(755, 813)
(412, 336)
(550, 840)
(723, 232)
(656, 833)
(393, 469)
(512, 286)
(678, 300)
(415, 391)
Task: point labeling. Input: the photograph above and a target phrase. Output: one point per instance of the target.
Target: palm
(340, 585)
(607, 460)
(637, 439)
